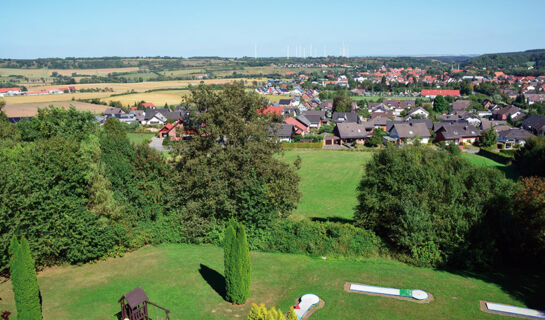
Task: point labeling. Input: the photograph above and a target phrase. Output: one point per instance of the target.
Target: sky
(231, 28)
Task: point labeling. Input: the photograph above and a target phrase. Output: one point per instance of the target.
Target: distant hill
(510, 60)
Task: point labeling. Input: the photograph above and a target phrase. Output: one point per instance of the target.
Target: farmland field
(188, 280)
(145, 86)
(55, 97)
(31, 109)
(159, 98)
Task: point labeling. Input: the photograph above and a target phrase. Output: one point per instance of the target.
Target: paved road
(157, 144)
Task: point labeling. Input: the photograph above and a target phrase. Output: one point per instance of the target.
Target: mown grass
(140, 138)
(188, 280)
(329, 180)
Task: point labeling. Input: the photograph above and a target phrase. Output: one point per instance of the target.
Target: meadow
(188, 280)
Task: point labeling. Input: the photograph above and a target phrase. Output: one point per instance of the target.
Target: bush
(435, 206)
(316, 238)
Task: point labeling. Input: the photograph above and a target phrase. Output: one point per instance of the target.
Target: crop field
(31, 109)
(188, 280)
(265, 70)
(159, 98)
(145, 86)
(55, 97)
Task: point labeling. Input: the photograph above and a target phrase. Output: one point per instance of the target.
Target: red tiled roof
(270, 110)
(147, 105)
(296, 124)
(443, 92)
(4, 90)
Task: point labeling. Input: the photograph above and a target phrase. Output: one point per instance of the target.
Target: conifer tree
(24, 281)
(237, 263)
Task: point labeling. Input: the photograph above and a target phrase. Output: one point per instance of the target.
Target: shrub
(316, 238)
(260, 312)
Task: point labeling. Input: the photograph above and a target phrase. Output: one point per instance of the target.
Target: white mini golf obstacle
(508, 310)
(306, 302)
(409, 294)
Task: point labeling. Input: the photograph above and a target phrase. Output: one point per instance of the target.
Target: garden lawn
(481, 161)
(328, 182)
(187, 278)
(140, 138)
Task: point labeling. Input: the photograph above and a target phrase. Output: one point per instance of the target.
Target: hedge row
(503, 158)
(302, 145)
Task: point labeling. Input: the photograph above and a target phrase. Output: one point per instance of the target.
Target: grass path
(328, 182)
(186, 279)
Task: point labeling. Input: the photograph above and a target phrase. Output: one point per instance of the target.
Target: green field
(328, 182)
(140, 138)
(188, 280)
(481, 161)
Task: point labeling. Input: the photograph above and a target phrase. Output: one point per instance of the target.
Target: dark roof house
(345, 117)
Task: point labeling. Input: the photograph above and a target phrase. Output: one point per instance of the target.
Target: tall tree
(24, 281)
(440, 105)
(237, 263)
(220, 163)
(489, 138)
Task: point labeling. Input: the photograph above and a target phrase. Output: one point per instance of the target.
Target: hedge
(503, 158)
(302, 145)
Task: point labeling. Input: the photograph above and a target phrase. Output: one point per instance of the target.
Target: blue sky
(85, 28)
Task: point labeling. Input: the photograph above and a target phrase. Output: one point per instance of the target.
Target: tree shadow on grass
(525, 285)
(214, 279)
(332, 219)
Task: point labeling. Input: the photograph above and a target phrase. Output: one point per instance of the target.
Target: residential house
(110, 112)
(351, 132)
(172, 130)
(282, 131)
(10, 92)
(338, 117)
(418, 112)
(508, 112)
(125, 117)
(146, 105)
(535, 124)
(533, 98)
(407, 133)
(327, 105)
(457, 133)
(460, 105)
(316, 118)
(139, 115)
(432, 93)
(299, 127)
(427, 122)
(513, 137)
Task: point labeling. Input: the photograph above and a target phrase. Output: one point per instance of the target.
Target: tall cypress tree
(24, 281)
(237, 263)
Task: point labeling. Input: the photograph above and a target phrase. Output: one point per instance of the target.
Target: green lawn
(186, 279)
(139, 138)
(477, 160)
(328, 182)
